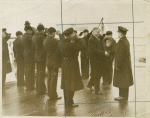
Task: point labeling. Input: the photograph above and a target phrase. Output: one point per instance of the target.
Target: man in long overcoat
(6, 66)
(85, 57)
(97, 57)
(50, 45)
(19, 59)
(40, 59)
(67, 55)
(110, 46)
(123, 78)
(29, 58)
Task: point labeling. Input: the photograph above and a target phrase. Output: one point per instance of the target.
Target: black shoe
(58, 98)
(99, 93)
(118, 98)
(72, 105)
(90, 87)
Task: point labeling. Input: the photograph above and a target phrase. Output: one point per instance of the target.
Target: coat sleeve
(120, 56)
(93, 50)
(58, 58)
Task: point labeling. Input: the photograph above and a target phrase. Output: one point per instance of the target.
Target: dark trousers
(107, 78)
(85, 67)
(29, 75)
(124, 92)
(40, 78)
(69, 97)
(20, 74)
(52, 82)
(93, 80)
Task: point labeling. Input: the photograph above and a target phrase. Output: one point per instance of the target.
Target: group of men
(42, 49)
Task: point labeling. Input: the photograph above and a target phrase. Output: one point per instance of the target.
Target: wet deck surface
(16, 101)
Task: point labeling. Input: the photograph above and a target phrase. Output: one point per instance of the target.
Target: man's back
(29, 49)
(18, 50)
(50, 45)
(40, 52)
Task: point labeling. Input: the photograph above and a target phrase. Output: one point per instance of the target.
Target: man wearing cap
(6, 65)
(109, 46)
(97, 57)
(40, 59)
(123, 78)
(50, 45)
(67, 56)
(29, 57)
(84, 56)
(19, 59)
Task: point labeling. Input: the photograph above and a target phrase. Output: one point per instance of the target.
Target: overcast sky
(14, 13)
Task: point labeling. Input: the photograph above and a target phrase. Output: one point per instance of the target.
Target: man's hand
(107, 54)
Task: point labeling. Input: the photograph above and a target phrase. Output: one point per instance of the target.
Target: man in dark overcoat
(29, 58)
(50, 45)
(19, 59)
(67, 55)
(123, 78)
(97, 57)
(40, 59)
(6, 65)
(85, 57)
(109, 46)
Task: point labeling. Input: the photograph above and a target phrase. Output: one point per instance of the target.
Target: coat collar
(122, 38)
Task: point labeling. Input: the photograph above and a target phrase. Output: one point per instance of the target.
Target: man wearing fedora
(123, 78)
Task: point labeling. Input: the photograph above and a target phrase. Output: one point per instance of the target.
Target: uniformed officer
(29, 58)
(109, 46)
(67, 56)
(19, 59)
(123, 78)
(40, 59)
(50, 45)
(84, 56)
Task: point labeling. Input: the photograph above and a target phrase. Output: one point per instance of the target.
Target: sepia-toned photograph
(75, 58)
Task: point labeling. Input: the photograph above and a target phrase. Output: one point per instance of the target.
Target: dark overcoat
(50, 45)
(6, 66)
(29, 49)
(67, 54)
(40, 52)
(97, 57)
(110, 48)
(84, 53)
(123, 77)
(18, 51)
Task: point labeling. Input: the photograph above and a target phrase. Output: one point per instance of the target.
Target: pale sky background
(14, 13)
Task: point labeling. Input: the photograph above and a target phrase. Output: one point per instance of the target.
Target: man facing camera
(123, 78)
(110, 46)
(97, 59)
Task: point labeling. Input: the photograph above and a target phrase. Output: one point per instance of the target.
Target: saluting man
(29, 57)
(123, 78)
(40, 59)
(67, 56)
(18, 54)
